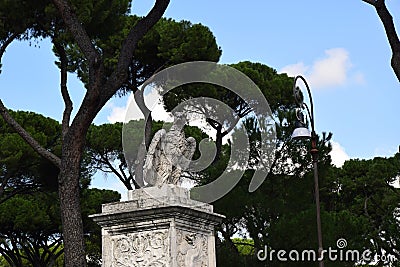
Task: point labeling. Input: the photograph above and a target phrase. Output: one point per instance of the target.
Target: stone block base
(158, 227)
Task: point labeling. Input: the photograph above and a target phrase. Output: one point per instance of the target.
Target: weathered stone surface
(146, 248)
(169, 154)
(192, 249)
(158, 227)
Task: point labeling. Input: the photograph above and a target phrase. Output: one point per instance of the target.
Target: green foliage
(167, 43)
(33, 213)
(36, 20)
(104, 143)
(358, 203)
(30, 227)
(59, 262)
(40, 18)
(26, 21)
(101, 18)
(363, 191)
(277, 88)
(281, 213)
(184, 41)
(244, 246)
(30, 224)
(22, 169)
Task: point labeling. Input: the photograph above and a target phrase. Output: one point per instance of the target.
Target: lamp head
(301, 131)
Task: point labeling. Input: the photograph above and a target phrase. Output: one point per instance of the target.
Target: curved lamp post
(302, 132)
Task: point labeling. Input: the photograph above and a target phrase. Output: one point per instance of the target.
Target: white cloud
(338, 154)
(117, 113)
(294, 69)
(331, 70)
(131, 111)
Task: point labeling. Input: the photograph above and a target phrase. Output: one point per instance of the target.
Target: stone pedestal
(158, 227)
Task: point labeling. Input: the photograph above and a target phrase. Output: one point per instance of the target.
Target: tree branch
(7, 43)
(390, 30)
(115, 171)
(16, 192)
(388, 24)
(139, 99)
(27, 137)
(12, 256)
(64, 89)
(371, 2)
(5, 178)
(78, 31)
(118, 77)
(121, 169)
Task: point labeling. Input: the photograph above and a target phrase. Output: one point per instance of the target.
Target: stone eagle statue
(169, 154)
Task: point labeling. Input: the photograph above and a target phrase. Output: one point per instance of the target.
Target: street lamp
(301, 132)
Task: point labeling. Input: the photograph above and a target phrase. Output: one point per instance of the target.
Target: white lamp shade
(301, 133)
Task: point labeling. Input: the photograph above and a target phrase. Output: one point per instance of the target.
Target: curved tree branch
(371, 2)
(115, 171)
(6, 43)
(118, 77)
(64, 89)
(27, 137)
(393, 38)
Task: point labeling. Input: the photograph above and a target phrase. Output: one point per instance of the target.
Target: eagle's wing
(184, 160)
(189, 151)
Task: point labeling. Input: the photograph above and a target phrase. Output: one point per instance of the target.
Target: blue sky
(339, 46)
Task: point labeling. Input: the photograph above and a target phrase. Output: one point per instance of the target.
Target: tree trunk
(101, 88)
(395, 62)
(218, 142)
(74, 252)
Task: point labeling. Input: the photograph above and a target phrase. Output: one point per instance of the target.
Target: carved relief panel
(192, 249)
(143, 249)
